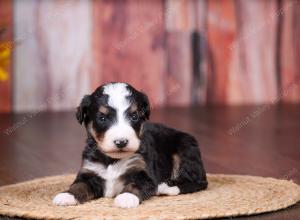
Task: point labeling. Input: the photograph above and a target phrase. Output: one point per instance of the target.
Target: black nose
(121, 143)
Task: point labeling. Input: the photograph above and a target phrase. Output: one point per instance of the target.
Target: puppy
(127, 158)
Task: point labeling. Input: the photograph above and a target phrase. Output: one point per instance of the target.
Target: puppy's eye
(134, 117)
(102, 118)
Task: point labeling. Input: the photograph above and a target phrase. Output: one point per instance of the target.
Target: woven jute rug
(227, 195)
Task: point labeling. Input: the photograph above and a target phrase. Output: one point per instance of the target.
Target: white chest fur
(112, 173)
(113, 184)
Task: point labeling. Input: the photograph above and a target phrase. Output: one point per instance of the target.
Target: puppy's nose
(121, 143)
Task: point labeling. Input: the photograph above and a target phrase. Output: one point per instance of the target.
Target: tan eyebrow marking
(133, 108)
(103, 110)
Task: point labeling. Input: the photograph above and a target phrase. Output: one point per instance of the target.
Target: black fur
(158, 146)
(82, 110)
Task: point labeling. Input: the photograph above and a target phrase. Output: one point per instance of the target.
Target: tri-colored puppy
(128, 158)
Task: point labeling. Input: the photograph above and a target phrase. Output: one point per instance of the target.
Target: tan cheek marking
(97, 137)
(103, 110)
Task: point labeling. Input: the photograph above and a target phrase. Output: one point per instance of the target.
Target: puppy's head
(114, 115)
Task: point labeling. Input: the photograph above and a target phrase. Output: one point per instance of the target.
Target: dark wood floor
(256, 140)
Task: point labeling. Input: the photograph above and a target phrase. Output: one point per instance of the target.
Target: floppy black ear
(145, 105)
(82, 109)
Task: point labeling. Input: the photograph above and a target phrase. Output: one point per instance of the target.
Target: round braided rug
(227, 195)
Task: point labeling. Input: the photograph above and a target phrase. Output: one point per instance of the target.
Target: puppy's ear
(82, 109)
(145, 105)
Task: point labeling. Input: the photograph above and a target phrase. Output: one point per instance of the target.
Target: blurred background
(181, 53)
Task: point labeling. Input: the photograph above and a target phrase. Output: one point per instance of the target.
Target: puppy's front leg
(87, 186)
(138, 187)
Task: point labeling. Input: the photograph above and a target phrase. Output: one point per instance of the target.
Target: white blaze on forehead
(117, 93)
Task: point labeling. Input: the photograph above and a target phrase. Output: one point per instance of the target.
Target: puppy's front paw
(126, 200)
(164, 189)
(64, 199)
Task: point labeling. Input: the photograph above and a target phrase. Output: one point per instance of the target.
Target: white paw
(126, 200)
(64, 199)
(164, 189)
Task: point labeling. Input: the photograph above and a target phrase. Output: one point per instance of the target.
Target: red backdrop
(179, 52)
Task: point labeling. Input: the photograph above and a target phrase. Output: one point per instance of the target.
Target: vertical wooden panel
(253, 79)
(199, 51)
(179, 15)
(180, 23)
(132, 45)
(52, 58)
(97, 32)
(221, 32)
(290, 51)
(6, 46)
(179, 69)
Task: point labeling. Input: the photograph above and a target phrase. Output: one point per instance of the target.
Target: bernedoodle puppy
(127, 158)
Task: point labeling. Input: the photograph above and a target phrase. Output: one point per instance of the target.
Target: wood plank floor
(254, 140)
